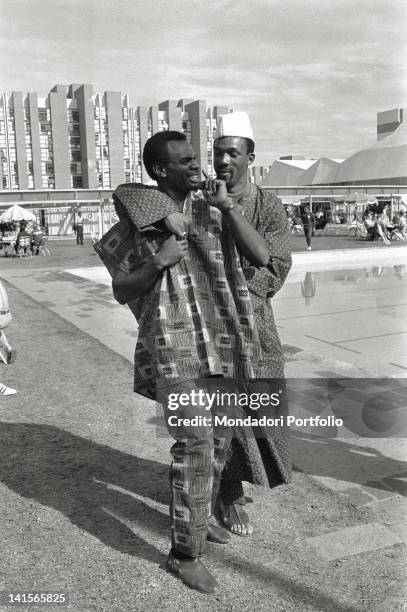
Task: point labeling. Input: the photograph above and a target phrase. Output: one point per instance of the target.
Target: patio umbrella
(16, 213)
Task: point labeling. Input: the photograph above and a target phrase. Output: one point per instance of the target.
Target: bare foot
(235, 518)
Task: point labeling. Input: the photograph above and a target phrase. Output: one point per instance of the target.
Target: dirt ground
(84, 498)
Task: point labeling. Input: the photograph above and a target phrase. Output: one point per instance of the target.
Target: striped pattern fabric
(197, 320)
(265, 461)
(207, 316)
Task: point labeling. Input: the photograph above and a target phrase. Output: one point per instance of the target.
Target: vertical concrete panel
(154, 119)
(114, 125)
(60, 136)
(143, 130)
(174, 114)
(35, 139)
(218, 111)
(197, 115)
(183, 102)
(21, 154)
(83, 94)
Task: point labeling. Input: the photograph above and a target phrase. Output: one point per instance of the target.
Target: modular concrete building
(75, 138)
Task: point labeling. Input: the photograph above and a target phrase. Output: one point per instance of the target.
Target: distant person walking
(37, 239)
(79, 229)
(308, 222)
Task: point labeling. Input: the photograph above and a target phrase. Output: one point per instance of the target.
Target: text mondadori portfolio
(249, 421)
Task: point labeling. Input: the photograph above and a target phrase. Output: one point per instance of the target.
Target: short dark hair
(249, 145)
(156, 149)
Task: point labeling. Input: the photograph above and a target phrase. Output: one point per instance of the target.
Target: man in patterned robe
(233, 154)
(268, 461)
(195, 321)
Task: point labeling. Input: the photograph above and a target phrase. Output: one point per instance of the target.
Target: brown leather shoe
(192, 573)
(217, 534)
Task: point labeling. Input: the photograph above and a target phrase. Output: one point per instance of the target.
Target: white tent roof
(376, 164)
(319, 172)
(16, 213)
(384, 160)
(304, 164)
(285, 172)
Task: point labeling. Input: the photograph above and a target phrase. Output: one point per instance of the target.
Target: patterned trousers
(198, 459)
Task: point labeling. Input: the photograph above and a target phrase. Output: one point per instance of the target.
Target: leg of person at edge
(242, 238)
(7, 353)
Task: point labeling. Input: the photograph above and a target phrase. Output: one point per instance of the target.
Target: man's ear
(159, 170)
(251, 157)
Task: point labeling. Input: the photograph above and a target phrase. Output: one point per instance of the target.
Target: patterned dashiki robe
(209, 314)
(266, 460)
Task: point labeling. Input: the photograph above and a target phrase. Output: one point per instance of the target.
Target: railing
(96, 204)
(336, 191)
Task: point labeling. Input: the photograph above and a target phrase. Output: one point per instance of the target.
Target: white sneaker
(309, 249)
(6, 390)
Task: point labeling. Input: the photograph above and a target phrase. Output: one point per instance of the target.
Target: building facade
(389, 121)
(258, 173)
(75, 138)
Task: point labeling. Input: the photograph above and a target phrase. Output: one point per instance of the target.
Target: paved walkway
(347, 517)
(83, 297)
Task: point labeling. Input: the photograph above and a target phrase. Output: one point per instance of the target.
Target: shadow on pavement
(61, 470)
(72, 475)
(322, 456)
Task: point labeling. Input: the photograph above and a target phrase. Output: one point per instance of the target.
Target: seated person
(398, 229)
(403, 223)
(23, 240)
(320, 220)
(384, 222)
(374, 228)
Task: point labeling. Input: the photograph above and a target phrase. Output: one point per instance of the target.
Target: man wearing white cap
(233, 153)
(195, 321)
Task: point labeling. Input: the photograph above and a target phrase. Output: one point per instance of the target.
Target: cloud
(311, 74)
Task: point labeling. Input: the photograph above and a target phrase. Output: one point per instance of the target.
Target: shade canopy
(16, 213)
(290, 200)
(360, 198)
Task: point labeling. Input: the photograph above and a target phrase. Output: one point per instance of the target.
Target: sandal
(235, 518)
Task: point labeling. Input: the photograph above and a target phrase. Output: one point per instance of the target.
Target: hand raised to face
(216, 194)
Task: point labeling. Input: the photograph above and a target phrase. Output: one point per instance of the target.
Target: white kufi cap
(234, 124)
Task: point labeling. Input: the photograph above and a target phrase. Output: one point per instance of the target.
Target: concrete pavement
(364, 474)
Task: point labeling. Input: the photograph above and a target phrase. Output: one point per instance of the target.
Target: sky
(312, 74)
